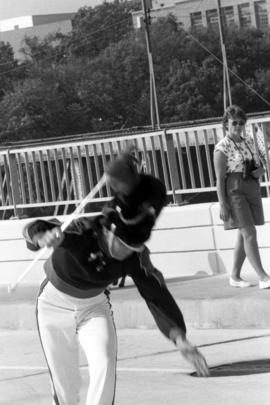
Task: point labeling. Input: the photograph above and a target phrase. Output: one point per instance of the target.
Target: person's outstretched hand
(194, 356)
(50, 238)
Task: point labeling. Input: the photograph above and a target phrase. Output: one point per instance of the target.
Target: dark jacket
(81, 267)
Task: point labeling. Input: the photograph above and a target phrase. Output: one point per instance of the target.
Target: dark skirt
(244, 199)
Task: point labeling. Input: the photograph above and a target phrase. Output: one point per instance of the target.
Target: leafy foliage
(96, 28)
(9, 71)
(97, 77)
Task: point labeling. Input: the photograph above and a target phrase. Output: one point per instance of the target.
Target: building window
(228, 16)
(212, 18)
(196, 20)
(244, 15)
(261, 15)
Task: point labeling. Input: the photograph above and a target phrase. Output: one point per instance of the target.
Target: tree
(113, 84)
(187, 95)
(74, 83)
(96, 28)
(10, 71)
(248, 50)
(37, 110)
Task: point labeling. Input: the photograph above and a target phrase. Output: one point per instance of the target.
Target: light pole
(226, 78)
(153, 94)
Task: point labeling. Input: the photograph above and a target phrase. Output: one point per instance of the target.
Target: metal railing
(61, 174)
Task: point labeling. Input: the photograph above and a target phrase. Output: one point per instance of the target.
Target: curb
(217, 313)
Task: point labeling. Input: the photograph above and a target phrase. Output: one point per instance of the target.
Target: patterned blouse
(237, 152)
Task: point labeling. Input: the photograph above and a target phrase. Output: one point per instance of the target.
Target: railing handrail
(133, 131)
(61, 173)
(80, 142)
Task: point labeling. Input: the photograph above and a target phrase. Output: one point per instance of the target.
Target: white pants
(63, 321)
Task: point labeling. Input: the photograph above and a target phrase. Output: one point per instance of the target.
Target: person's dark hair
(233, 112)
(123, 168)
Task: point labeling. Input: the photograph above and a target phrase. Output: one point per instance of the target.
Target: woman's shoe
(241, 283)
(264, 284)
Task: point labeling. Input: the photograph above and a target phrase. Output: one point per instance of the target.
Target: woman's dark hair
(233, 112)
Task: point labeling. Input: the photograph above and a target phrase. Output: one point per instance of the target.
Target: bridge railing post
(14, 183)
(173, 169)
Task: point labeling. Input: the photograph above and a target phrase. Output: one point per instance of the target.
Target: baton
(66, 223)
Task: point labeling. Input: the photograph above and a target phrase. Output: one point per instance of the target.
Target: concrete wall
(187, 241)
(190, 241)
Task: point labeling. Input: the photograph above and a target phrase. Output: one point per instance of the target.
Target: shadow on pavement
(240, 368)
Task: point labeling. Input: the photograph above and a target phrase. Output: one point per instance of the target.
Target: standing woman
(238, 171)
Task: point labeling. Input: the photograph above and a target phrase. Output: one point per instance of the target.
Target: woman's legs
(251, 248)
(98, 339)
(239, 256)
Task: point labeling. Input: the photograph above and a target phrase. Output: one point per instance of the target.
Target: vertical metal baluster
(66, 176)
(51, 177)
(104, 162)
(181, 162)
(97, 168)
(190, 165)
(28, 176)
(81, 169)
(199, 159)
(148, 168)
(36, 179)
(43, 177)
(3, 202)
(163, 160)
(154, 157)
(88, 164)
(21, 177)
(73, 174)
(58, 175)
(208, 158)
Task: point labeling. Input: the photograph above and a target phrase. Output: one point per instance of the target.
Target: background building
(14, 30)
(18, 8)
(198, 14)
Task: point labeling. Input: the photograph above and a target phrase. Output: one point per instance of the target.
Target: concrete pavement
(231, 327)
(150, 370)
(206, 302)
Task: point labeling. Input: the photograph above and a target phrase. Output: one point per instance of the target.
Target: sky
(17, 8)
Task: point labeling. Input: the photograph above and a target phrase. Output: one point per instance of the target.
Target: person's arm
(151, 285)
(220, 162)
(40, 233)
(158, 196)
(166, 313)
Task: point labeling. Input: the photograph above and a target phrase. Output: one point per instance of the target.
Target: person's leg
(122, 282)
(57, 330)
(98, 339)
(239, 256)
(249, 235)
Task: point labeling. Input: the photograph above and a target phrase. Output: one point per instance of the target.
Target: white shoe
(264, 284)
(241, 283)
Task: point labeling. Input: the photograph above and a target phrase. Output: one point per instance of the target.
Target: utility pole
(227, 97)
(153, 93)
